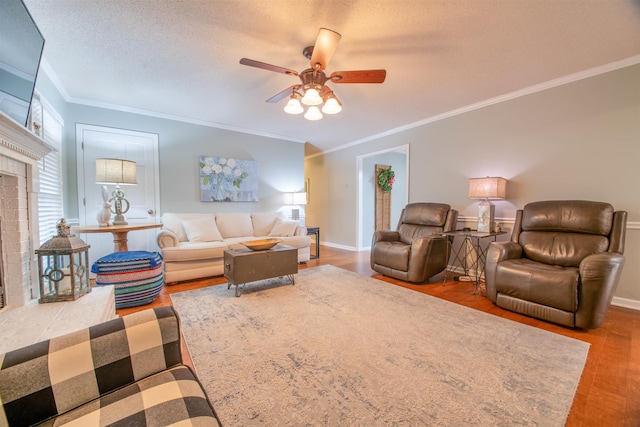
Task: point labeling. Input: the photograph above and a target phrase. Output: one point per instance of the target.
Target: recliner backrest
(422, 219)
(563, 232)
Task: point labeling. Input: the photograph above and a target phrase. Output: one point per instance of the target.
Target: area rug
(340, 349)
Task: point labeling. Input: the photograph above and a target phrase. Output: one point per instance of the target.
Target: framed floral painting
(228, 180)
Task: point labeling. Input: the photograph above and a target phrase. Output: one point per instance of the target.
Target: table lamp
(485, 189)
(118, 172)
(297, 199)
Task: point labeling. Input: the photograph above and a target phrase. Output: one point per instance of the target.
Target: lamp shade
(300, 198)
(487, 188)
(115, 171)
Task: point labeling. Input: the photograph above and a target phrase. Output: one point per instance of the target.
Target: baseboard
(335, 245)
(626, 303)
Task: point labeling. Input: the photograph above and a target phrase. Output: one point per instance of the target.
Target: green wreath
(386, 177)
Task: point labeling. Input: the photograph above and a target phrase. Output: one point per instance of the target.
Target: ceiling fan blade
(265, 66)
(287, 92)
(360, 76)
(326, 44)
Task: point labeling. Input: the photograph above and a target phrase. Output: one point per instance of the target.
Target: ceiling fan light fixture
(332, 106)
(293, 106)
(313, 113)
(311, 97)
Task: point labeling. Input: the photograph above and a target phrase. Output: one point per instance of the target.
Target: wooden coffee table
(242, 266)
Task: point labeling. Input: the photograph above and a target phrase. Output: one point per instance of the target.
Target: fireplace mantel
(19, 143)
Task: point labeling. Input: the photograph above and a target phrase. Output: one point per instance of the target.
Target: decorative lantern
(63, 268)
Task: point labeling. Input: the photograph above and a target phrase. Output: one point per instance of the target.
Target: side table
(471, 255)
(315, 231)
(119, 232)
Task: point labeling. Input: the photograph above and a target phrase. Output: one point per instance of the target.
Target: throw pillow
(202, 229)
(283, 228)
(236, 224)
(263, 222)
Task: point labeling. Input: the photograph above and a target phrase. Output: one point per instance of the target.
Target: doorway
(398, 159)
(95, 142)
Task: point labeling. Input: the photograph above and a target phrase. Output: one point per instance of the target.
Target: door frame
(360, 196)
(83, 214)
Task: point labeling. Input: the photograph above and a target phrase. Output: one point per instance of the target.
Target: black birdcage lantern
(63, 268)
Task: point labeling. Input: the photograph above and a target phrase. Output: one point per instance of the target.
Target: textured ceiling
(179, 58)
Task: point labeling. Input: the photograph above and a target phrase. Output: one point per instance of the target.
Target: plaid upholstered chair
(126, 371)
(416, 251)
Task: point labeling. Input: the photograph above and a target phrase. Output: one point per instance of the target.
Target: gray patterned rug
(340, 349)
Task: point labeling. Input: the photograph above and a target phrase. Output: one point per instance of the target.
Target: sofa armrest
(51, 377)
(496, 252)
(599, 275)
(301, 230)
(167, 239)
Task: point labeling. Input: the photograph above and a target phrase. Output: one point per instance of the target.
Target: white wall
(576, 141)
(280, 163)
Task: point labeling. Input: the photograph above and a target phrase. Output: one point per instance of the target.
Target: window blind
(50, 200)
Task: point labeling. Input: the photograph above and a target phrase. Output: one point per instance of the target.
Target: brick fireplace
(20, 151)
(22, 320)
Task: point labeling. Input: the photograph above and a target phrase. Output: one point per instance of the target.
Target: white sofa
(193, 245)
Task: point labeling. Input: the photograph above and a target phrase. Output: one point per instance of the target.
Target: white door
(94, 142)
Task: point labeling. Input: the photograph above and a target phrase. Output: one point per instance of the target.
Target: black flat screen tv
(21, 45)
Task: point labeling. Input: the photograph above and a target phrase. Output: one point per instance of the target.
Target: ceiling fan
(313, 88)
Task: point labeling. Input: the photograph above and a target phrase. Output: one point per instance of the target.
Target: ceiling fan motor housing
(312, 79)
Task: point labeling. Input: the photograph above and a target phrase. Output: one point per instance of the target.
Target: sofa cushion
(202, 229)
(187, 251)
(283, 228)
(560, 248)
(549, 285)
(234, 224)
(167, 398)
(263, 222)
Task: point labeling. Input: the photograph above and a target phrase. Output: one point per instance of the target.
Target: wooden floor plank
(609, 389)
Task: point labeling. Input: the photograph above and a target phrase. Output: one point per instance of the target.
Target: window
(46, 123)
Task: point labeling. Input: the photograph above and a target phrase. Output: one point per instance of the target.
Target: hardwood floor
(609, 390)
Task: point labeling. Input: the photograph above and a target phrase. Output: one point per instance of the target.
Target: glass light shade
(332, 106)
(311, 97)
(313, 113)
(293, 106)
(487, 188)
(115, 171)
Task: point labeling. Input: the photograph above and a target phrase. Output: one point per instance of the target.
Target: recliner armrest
(429, 252)
(599, 275)
(384, 235)
(496, 252)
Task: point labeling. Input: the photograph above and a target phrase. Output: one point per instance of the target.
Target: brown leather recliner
(415, 251)
(562, 264)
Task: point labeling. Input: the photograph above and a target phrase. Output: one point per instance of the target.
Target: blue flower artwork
(228, 180)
